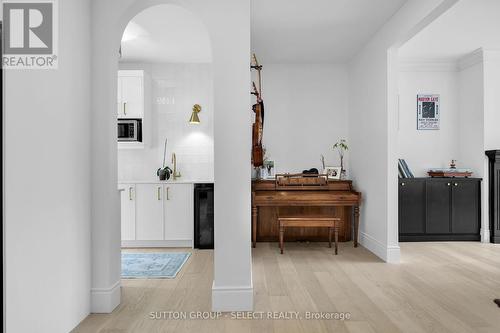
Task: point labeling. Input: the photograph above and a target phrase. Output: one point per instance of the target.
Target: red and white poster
(428, 112)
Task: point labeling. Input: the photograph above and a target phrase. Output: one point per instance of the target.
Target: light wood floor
(438, 287)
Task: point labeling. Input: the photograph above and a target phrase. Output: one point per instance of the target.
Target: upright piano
(335, 198)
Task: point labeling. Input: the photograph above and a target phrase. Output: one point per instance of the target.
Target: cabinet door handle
(124, 108)
(403, 184)
(168, 198)
(159, 193)
(449, 184)
(130, 193)
(456, 184)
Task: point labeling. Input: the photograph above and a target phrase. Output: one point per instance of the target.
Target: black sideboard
(439, 209)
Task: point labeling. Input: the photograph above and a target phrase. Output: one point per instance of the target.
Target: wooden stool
(310, 222)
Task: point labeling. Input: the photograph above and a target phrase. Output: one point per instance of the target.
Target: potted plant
(341, 147)
(164, 172)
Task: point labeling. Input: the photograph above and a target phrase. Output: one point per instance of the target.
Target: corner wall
(373, 125)
(47, 185)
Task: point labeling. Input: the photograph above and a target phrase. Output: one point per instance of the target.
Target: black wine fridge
(204, 216)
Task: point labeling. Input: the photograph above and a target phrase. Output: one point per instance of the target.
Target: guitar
(258, 125)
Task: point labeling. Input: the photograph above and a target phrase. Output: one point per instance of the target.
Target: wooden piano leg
(282, 234)
(254, 225)
(336, 238)
(356, 225)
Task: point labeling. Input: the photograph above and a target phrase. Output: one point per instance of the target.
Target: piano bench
(332, 223)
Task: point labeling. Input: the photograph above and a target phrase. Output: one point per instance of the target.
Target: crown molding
(491, 55)
(471, 59)
(428, 65)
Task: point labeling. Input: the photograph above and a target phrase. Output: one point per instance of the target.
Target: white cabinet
(149, 212)
(127, 195)
(157, 214)
(178, 212)
(130, 94)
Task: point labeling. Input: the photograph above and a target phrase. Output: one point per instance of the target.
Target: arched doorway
(232, 288)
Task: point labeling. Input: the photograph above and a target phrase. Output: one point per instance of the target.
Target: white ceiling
(166, 33)
(467, 26)
(316, 31)
(283, 31)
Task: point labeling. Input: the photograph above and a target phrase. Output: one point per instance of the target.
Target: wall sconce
(194, 116)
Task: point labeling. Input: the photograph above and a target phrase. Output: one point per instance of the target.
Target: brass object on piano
(300, 181)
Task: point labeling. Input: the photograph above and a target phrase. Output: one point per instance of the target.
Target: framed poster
(428, 112)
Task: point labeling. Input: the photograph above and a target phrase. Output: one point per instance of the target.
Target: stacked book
(404, 170)
(450, 172)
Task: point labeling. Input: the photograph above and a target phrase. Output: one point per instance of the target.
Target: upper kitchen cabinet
(130, 94)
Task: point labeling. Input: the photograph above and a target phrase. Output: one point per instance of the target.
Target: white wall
(373, 125)
(47, 185)
(305, 114)
(175, 89)
(491, 80)
(472, 123)
(424, 150)
(492, 99)
(228, 23)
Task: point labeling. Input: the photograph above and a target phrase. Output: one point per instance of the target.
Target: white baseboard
(158, 243)
(105, 300)
(485, 235)
(232, 298)
(390, 254)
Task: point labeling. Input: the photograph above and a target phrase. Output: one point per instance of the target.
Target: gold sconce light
(194, 116)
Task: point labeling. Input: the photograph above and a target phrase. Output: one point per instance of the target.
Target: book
(404, 170)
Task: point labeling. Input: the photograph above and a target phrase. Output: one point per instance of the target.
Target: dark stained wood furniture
(332, 223)
(336, 199)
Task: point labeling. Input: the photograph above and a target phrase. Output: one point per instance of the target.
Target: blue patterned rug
(163, 265)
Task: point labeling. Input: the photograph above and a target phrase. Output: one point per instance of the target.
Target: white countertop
(170, 181)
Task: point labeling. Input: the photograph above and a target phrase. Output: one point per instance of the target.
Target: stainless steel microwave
(130, 130)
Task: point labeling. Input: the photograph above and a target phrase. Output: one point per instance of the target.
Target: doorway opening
(444, 110)
(165, 140)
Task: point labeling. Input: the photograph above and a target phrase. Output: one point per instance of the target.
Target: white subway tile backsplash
(175, 89)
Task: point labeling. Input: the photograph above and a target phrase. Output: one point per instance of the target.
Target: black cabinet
(412, 206)
(439, 209)
(204, 216)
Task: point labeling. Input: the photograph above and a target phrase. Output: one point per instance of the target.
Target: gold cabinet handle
(130, 193)
(168, 198)
(124, 108)
(159, 193)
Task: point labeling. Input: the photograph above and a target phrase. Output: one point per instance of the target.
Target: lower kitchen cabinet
(179, 212)
(439, 209)
(157, 215)
(127, 200)
(149, 212)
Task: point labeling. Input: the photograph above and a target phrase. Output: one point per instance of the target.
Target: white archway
(228, 23)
